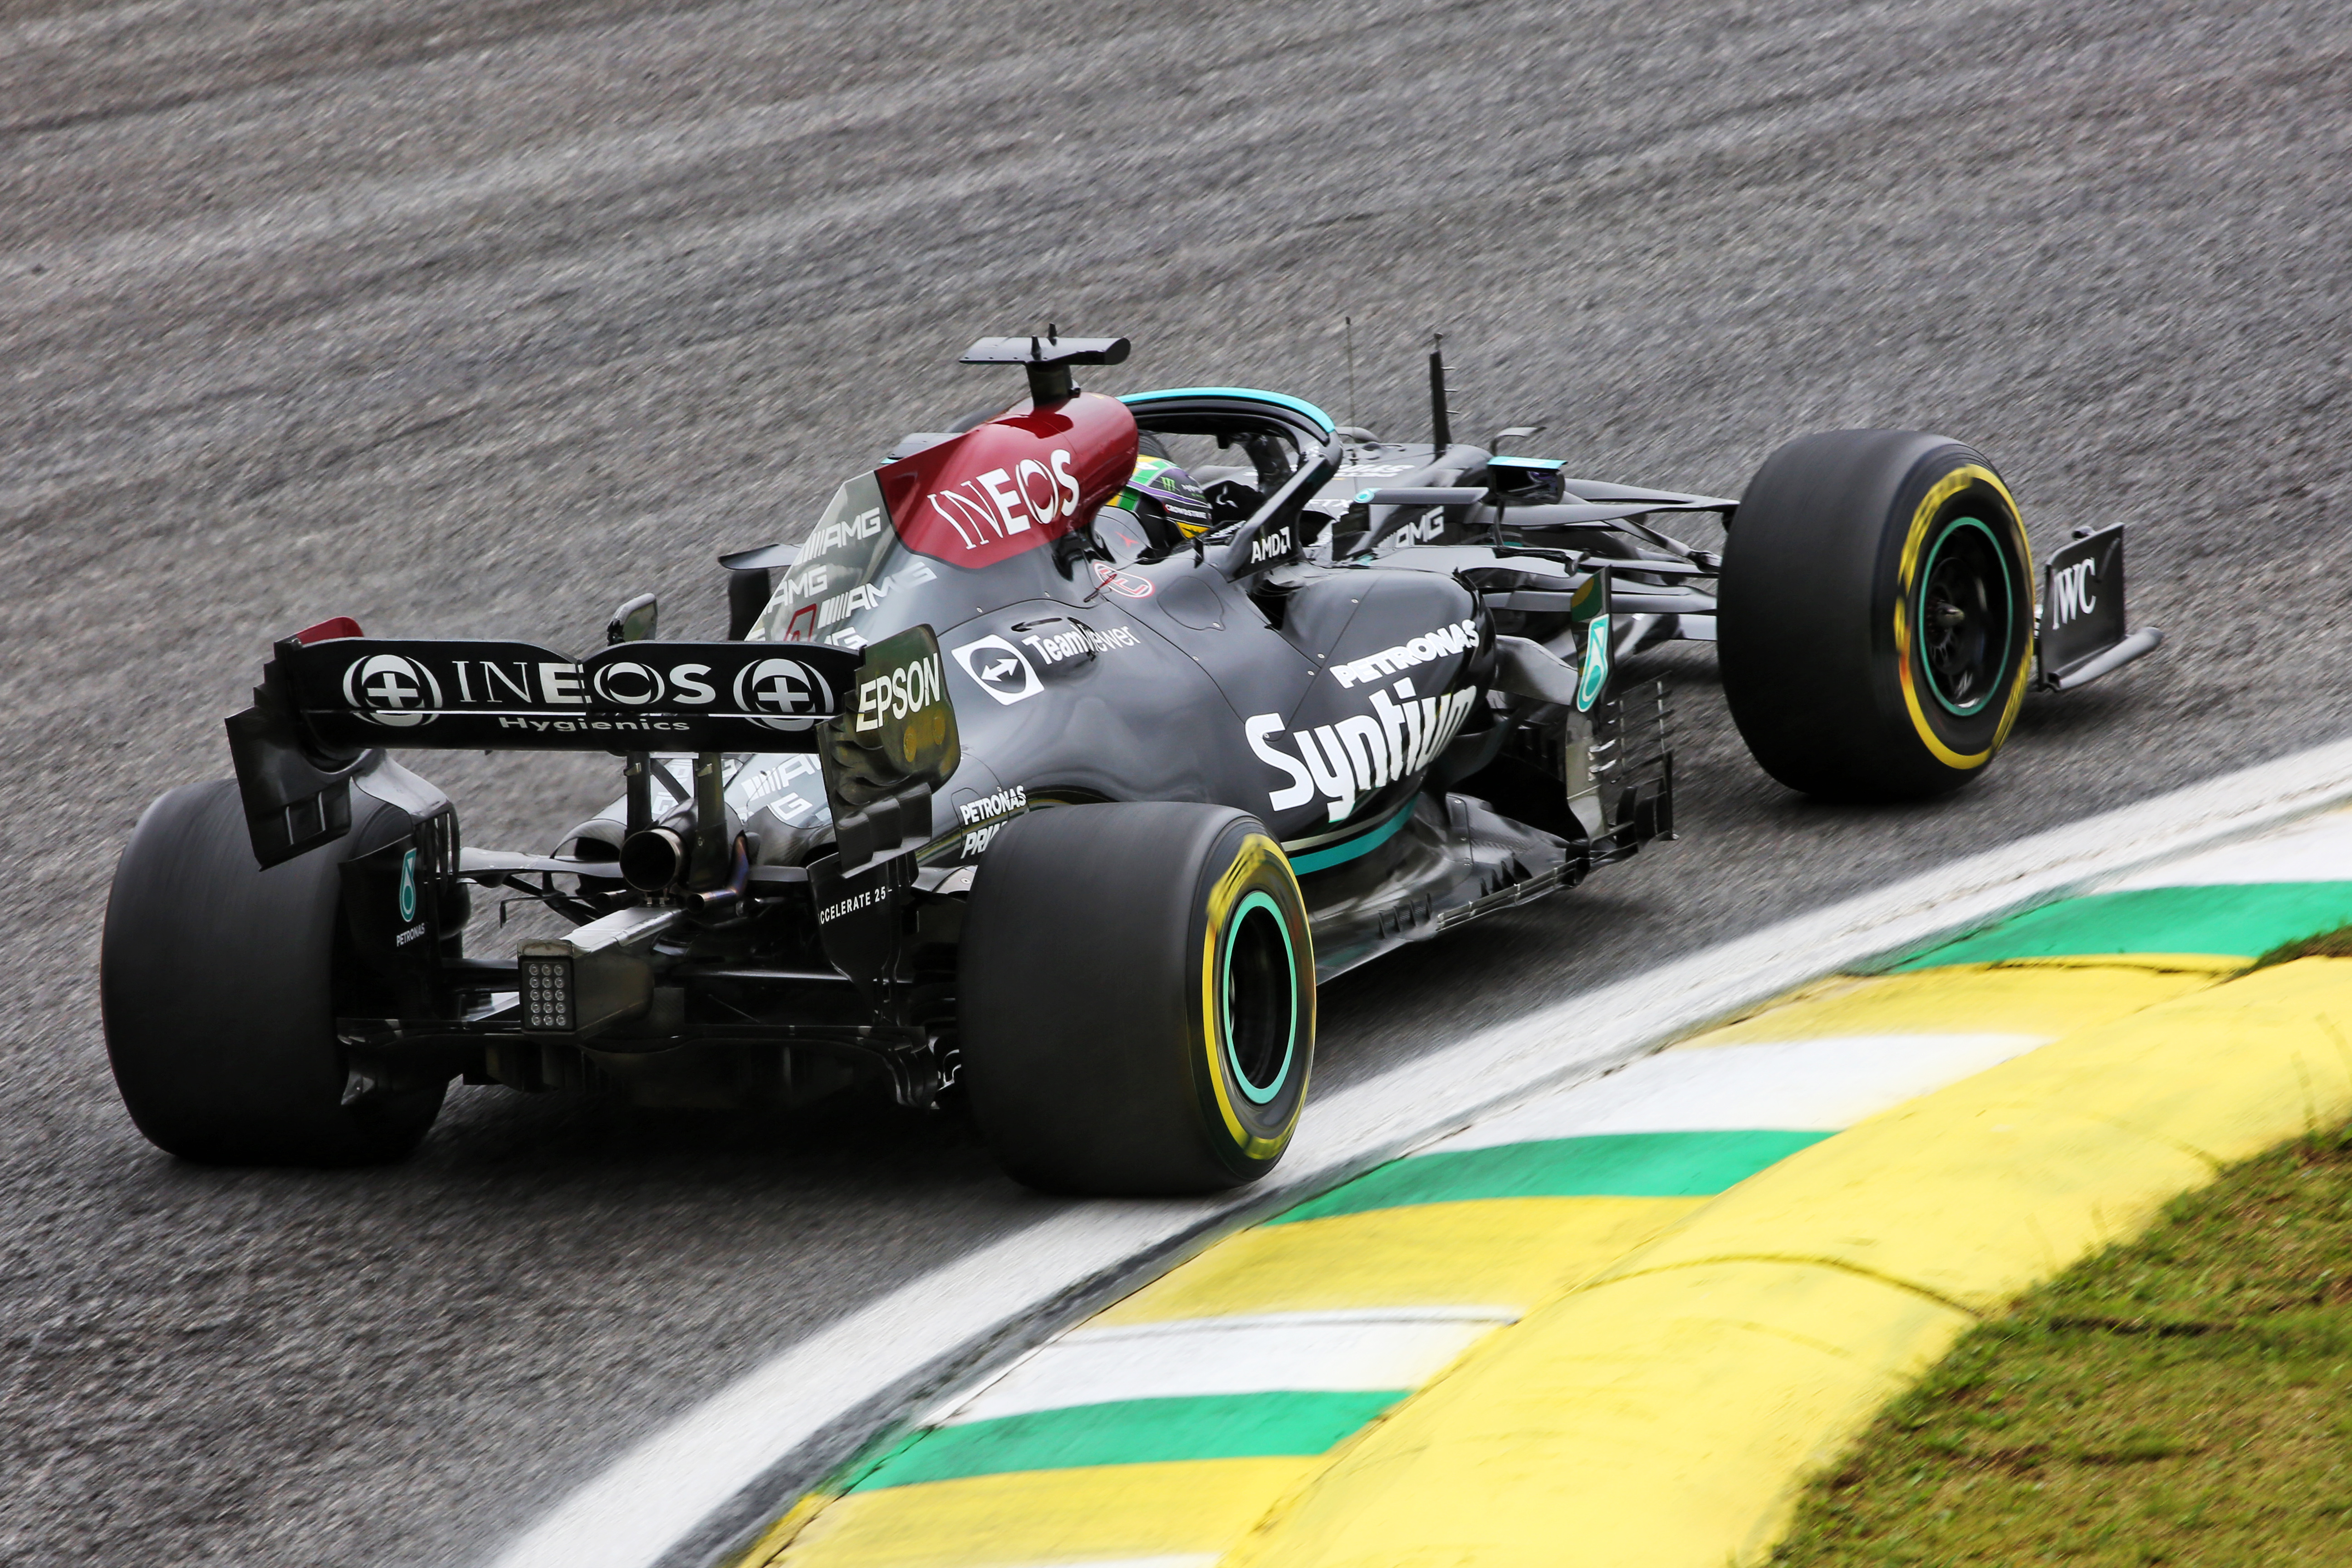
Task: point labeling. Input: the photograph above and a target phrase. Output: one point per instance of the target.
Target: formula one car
(1049, 774)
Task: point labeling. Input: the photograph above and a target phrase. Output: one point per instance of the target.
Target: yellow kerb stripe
(1971, 999)
(1669, 1413)
(1102, 1513)
(1493, 1252)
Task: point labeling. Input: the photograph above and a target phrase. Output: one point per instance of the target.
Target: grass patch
(2336, 944)
(2184, 1398)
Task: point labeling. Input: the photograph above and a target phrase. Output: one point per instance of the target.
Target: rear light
(547, 996)
(328, 631)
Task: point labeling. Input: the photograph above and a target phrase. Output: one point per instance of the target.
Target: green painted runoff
(1132, 1432)
(1606, 1165)
(2228, 920)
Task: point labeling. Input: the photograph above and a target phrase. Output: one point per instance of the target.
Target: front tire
(1137, 999)
(1876, 621)
(218, 983)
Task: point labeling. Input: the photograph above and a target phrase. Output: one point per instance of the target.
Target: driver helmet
(1164, 499)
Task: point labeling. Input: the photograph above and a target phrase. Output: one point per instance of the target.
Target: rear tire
(1138, 1011)
(218, 983)
(1875, 626)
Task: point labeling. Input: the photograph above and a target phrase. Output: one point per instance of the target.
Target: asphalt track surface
(473, 319)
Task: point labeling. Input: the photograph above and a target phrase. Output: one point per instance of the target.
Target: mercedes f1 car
(1049, 774)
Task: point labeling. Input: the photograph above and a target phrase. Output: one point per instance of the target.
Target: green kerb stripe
(1132, 1432)
(2231, 921)
(1607, 1165)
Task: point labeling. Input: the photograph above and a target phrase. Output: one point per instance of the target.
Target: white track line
(668, 1485)
(1820, 1085)
(1288, 1351)
(2315, 851)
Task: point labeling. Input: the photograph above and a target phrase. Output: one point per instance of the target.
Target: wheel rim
(1260, 993)
(1966, 617)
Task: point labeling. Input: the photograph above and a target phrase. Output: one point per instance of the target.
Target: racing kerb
(1098, 1480)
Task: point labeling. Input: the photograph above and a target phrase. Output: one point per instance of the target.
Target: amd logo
(1271, 545)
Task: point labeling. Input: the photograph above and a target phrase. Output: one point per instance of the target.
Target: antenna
(1441, 427)
(1349, 327)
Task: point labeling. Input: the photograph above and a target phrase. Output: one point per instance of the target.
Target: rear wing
(354, 693)
(325, 711)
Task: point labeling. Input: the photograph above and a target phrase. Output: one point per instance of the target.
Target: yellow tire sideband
(1256, 850)
(1922, 518)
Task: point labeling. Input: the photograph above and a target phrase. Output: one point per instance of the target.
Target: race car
(1048, 776)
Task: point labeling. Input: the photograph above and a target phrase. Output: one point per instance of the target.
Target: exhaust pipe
(656, 860)
(696, 853)
(653, 859)
(729, 895)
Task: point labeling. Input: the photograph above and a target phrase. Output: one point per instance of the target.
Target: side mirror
(634, 621)
(1525, 481)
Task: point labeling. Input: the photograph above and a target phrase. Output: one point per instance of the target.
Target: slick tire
(1875, 625)
(218, 983)
(1137, 999)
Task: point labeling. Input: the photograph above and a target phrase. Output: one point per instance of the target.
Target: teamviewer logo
(392, 691)
(997, 667)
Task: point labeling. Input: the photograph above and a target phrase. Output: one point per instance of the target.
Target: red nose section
(1013, 483)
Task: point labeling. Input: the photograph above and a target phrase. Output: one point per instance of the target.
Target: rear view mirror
(1525, 481)
(634, 621)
